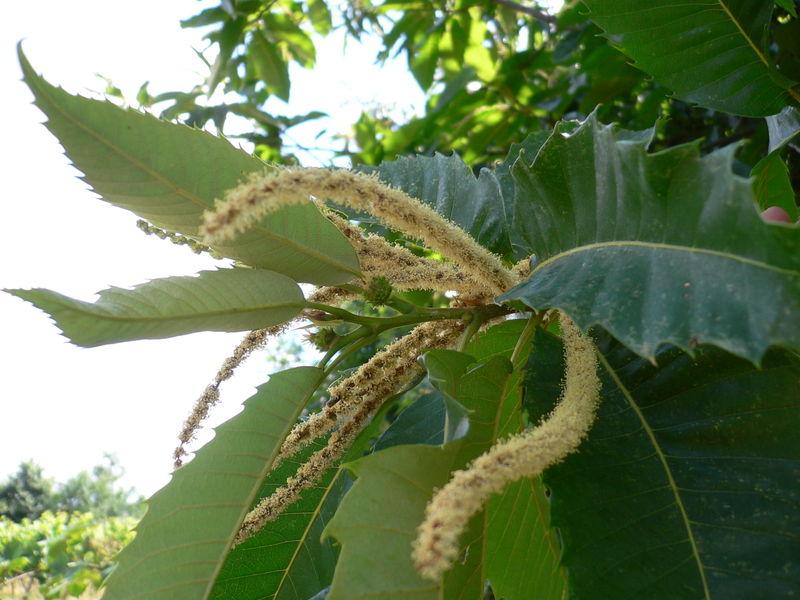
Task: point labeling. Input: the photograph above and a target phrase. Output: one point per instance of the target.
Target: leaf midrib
(749, 40)
(99, 313)
(662, 246)
(257, 488)
(758, 52)
(185, 193)
(306, 531)
(667, 471)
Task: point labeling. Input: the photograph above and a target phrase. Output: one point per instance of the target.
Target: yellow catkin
(522, 270)
(251, 342)
(246, 204)
(363, 400)
(404, 269)
(524, 455)
(376, 378)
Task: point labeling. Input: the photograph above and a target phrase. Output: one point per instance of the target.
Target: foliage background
(491, 74)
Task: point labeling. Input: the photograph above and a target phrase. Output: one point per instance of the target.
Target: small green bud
(378, 291)
(322, 338)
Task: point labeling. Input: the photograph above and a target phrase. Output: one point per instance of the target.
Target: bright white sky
(64, 406)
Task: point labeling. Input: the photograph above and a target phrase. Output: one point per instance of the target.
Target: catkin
(210, 396)
(524, 455)
(246, 204)
(251, 342)
(404, 269)
(376, 378)
(363, 398)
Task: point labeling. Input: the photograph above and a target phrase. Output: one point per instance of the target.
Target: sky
(65, 406)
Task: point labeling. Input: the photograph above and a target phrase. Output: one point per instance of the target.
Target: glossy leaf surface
(685, 487)
(657, 248)
(713, 53)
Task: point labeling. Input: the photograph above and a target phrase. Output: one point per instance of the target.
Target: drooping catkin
(524, 455)
(210, 396)
(401, 366)
(246, 204)
(251, 342)
(376, 378)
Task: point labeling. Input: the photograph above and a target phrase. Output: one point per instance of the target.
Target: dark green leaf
(656, 248)
(448, 185)
(169, 174)
(224, 300)
(183, 539)
(686, 486)
(711, 53)
(788, 6)
(421, 423)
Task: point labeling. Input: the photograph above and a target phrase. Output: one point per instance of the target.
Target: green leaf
(772, 186)
(713, 53)
(286, 560)
(169, 174)
(783, 127)
(522, 554)
(423, 60)
(421, 423)
(320, 16)
(377, 520)
(656, 248)
(687, 484)
(375, 560)
(227, 38)
(190, 524)
(270, 66)
(224, 300)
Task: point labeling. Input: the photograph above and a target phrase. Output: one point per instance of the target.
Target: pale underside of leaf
(223, 300)
(170, 174)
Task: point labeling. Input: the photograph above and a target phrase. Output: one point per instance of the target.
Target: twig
(534, 12)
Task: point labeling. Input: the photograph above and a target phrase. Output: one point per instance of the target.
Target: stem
(420, 315)
(518, 355)
(353, 347)
(359, 333)
(534, 12)
(470, 331)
